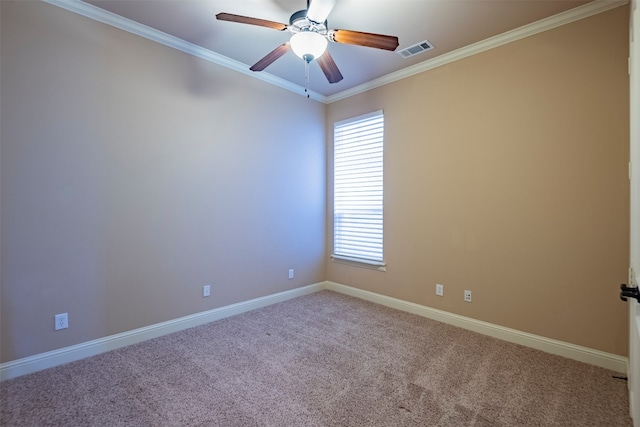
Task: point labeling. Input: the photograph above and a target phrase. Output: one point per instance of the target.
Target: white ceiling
(448, 24)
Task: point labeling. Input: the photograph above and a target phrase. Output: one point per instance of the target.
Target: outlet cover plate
(439, 290)
(467, 296)
(61, 321)
(206, 290)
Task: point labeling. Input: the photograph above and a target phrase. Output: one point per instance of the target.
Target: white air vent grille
(416, 49)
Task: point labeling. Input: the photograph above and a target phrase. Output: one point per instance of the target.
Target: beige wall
(133, 174)
(506, 174)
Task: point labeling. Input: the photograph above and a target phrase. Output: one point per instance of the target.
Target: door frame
(634, 232)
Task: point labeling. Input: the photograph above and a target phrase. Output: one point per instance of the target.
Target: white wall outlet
(291, 273)
(439, 290)
(61, 321)
(467, 296)
(206, 290)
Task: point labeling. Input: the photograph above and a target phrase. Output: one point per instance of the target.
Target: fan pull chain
(306, 78)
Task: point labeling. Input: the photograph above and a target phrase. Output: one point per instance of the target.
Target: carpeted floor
(324, 359)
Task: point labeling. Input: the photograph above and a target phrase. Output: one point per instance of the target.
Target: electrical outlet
(467, 296)
(291, 273)
(439, 290)
(61, 321)
(206, 291)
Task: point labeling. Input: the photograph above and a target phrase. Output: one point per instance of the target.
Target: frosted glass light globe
(308, 45)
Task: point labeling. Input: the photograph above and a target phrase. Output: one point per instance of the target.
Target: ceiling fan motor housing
(299, 22)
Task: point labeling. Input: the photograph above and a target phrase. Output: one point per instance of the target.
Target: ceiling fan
(310, 37)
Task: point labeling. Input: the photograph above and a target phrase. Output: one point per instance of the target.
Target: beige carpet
(320, 360)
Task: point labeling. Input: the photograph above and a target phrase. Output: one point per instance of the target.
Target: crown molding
(572, 15)
(109, 18)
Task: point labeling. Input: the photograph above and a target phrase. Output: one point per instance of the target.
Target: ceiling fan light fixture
(308, 45)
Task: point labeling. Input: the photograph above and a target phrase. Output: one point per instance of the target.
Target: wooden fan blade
(379, 41)
(252, 21)
(329, 67)
(271, 56)
(320, 9)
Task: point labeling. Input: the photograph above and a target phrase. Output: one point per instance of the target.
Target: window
(358, 189)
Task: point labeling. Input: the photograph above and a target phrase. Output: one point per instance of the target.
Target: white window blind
(358, 189)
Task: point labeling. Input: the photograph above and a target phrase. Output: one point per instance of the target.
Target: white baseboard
(583, 354)
(61, 356)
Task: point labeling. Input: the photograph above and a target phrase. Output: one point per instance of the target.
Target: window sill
(358, 262)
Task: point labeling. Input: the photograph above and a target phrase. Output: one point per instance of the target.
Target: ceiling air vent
(416, 49)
